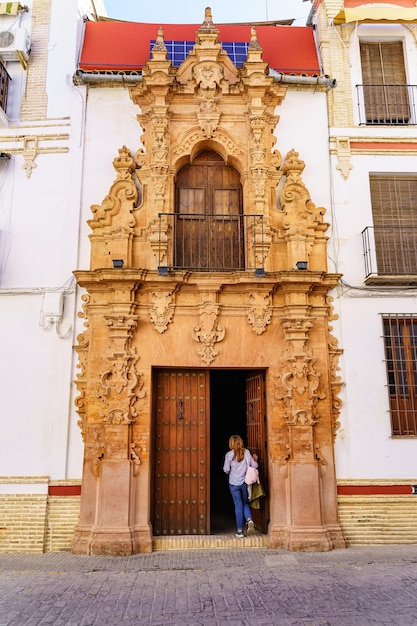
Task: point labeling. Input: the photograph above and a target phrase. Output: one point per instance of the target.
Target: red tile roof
(125, 46)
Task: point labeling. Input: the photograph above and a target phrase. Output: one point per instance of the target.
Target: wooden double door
(182, 469)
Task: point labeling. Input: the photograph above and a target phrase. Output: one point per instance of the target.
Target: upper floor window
(400, 339)
(390, 245)
(385, 97)
(208, 230)
(208, 224)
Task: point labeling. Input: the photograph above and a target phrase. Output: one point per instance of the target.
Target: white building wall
(303, 127)
(364, 446)
(39, 225)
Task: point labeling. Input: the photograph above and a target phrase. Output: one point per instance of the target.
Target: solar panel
(178, 50)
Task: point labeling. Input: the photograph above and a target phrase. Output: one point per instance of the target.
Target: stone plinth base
(306, 538)
(112, 541)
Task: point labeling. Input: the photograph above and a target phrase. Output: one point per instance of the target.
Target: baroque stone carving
(335, 380)
(162, 310)
(343, 155)
(260, 311)
(302, 221)
(81, 378)
(121, 385)
(298, 386)
(109, 212)
(135, 458)
(95, 448)
(209, 332)
(30, 151)
(205, 104)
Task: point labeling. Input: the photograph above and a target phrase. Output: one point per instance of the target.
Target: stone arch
(192, 142)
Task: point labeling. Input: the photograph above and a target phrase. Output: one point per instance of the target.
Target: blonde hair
(236, 444)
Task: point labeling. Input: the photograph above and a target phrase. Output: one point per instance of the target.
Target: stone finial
(208, 19)
(160, 43)
(254, 43)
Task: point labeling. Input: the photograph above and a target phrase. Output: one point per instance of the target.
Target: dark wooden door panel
(256, 438)
(181, 459)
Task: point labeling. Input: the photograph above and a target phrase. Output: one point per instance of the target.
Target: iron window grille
(389, 105)
(400, 342)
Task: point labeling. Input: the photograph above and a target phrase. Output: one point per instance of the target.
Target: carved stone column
(305, 397)
(114, 388)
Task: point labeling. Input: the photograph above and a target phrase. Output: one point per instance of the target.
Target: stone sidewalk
(251, 587)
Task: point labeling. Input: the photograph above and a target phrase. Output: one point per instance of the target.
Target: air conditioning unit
(15, 45)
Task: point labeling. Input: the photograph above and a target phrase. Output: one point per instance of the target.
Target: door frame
(244, 373)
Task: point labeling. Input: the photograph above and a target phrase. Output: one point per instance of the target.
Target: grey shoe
(251, 527)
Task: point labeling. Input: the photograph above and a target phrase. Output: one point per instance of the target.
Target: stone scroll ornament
(298, 388)
(302, 221)
(121, 385)
(162, 310)
(116, 209)
(209, 333)
(81, 378)
(260, 312)
(335, 380)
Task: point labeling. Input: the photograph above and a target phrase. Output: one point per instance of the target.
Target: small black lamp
(301, 265)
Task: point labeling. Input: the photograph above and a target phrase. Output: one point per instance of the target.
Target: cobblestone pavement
(256, 587)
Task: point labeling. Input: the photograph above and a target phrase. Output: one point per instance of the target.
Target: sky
(192, 11)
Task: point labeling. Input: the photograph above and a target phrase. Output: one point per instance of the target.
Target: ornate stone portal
(139, 317)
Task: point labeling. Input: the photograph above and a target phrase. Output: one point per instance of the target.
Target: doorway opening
(195, 413)
(231, 413)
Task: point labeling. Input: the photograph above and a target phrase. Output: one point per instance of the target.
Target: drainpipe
(286, 79)
(88, 78)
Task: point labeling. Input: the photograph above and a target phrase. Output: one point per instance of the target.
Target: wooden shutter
(384, 82)
(394, 202)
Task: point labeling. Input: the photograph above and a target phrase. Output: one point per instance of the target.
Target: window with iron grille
(4, 86)
(400, 340)
(394, 202)
(385, 93)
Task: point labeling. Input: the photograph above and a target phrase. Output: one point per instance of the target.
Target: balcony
(390, 105)
(210, 242)
(4, 87)
(390, 254)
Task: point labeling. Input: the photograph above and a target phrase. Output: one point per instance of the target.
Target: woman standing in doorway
(236, 462)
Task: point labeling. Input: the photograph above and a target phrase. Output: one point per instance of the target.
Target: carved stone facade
(138, 318)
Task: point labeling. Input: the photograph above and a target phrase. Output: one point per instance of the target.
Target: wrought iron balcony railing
(390, 250)
(390, 105)
(210, 242)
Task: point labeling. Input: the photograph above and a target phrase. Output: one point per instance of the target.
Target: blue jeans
(240, 500)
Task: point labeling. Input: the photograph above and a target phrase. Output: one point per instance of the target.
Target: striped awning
(377, 14)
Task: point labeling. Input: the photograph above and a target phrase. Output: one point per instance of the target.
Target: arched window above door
(208, 220)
